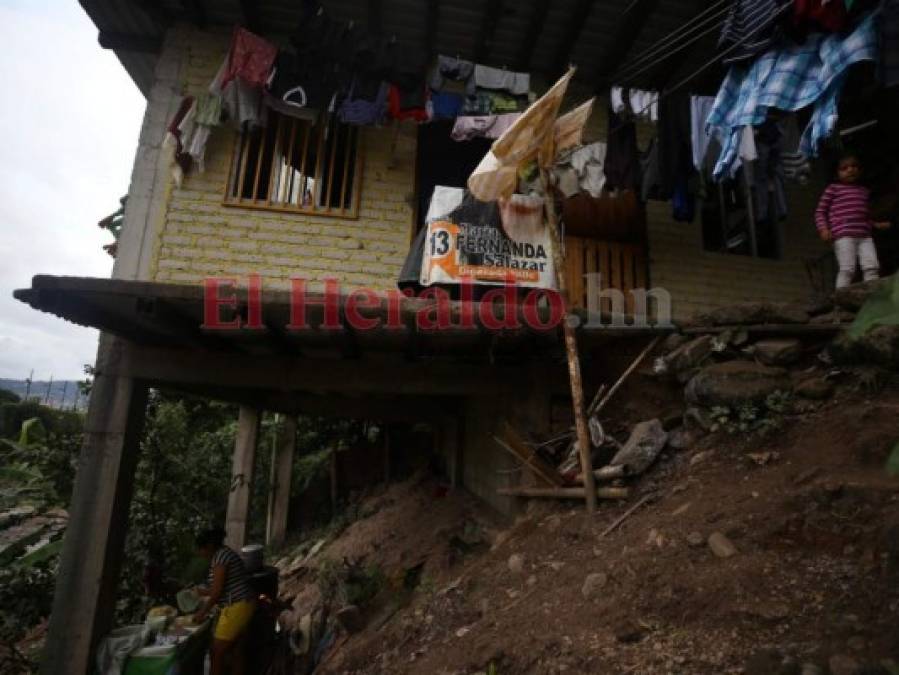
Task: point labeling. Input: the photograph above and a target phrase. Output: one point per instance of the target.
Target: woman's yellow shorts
(233, 620)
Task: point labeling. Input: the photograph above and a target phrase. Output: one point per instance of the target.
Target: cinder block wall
(184, 234)
(191, 235)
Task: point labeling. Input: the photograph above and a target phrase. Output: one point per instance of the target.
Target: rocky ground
(763, 539)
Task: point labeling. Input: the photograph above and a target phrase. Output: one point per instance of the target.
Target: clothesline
(692, 76)
(671, 40)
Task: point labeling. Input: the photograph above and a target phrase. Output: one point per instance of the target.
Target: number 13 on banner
(441, 257)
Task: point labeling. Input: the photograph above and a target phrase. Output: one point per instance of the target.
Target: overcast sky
(68, 132)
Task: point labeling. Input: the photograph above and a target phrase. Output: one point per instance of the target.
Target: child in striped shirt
(843, 217)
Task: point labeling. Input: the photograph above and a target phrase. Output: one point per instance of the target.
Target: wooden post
(282, 468)
(334, 485)
(89, 567)
(386, 453)
(238, 515)
(449, 445)
(574, 365)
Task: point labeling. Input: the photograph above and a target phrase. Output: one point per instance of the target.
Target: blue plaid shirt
(789, 78)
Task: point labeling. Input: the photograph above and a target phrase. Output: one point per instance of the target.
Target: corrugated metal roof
(459, 26)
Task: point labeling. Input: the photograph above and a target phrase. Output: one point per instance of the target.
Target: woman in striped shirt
(228, 588)
(843, 217)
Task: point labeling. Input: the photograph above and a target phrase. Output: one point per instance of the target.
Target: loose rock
(721, 546)
(681, 439)
(843, 665)
(644, 445)
(516, 563)
(690, 355)
(778, 352)
(593, 583)
(695, 539)
(815, 389)
(735, 383)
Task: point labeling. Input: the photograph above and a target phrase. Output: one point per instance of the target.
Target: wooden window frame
(288, 127)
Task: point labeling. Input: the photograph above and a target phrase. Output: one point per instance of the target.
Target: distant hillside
(62, 394)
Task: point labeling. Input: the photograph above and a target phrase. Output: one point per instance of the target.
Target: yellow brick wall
(200, 237)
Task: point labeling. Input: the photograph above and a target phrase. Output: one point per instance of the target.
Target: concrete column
(238, 515)
(151, 174)
(279, 497)
(89, 567)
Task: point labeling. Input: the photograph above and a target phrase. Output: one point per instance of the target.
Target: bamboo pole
(574, 365)
(564, 493)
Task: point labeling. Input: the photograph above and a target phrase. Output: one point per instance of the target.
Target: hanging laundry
(766, 174)
(503, 103)
(449, 68)
(649, 172)
(250, 58)
(175, 138)
(486, 77)
(788, 79)
(478, 104)
(826, 15)
(889, 43)
(683, 202)
(794, 163)
(582, 170)
(616, 100)
(675, 147)
(485, 126)
(622, 161)
(644, 104)
(442, 105)
(700, 107)
(397, 109)
(242, 104)
(748, 151)
(750, 28)
(196, 127)
(362, 112)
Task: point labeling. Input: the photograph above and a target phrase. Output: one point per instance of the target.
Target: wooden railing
(622, 266)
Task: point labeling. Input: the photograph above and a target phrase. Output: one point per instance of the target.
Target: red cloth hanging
(399, 113)
(251, 58)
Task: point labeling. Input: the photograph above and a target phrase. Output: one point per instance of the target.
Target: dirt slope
(810, 510)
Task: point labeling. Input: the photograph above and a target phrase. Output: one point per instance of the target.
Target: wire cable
(706, 26)
(711, 62)
(633, 75)
(709, 14)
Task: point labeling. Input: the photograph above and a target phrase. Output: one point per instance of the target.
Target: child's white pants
(851, 251)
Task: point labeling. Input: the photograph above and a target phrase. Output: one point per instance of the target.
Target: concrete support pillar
(238, 515)
(279, 497)
(89, 567)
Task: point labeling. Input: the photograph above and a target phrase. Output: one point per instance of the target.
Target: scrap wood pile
(736, 367)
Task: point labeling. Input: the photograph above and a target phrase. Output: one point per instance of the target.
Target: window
(296, 165)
